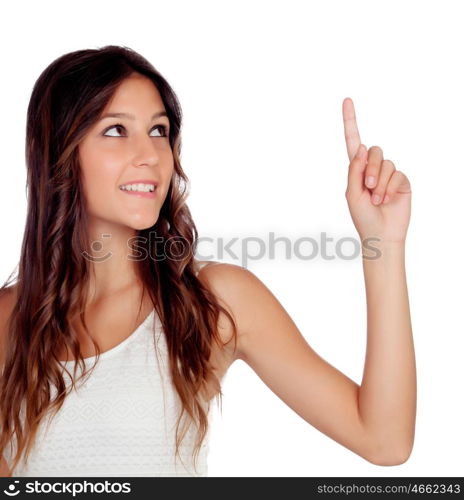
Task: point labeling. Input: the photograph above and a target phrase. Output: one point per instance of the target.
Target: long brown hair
(67, 99)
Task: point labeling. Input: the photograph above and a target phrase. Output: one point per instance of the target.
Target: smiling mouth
(139, 188)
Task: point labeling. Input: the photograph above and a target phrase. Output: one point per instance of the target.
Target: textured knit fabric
(121, 419)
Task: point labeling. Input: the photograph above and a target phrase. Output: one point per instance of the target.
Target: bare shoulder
(224, 276)
(228, 281)
(239, 291)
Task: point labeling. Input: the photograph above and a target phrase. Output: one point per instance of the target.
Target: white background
(261, 84)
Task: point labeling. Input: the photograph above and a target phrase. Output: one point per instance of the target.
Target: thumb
(356, 171)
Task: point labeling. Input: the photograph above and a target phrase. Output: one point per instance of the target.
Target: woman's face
(128, 150)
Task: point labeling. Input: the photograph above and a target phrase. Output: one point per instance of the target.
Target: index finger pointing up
(352, 138)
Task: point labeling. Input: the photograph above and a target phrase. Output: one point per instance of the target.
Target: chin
(144, 223)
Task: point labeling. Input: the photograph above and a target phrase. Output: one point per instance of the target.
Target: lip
(140, 194)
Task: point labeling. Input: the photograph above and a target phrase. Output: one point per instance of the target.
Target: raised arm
(375, 420)
(381, 212)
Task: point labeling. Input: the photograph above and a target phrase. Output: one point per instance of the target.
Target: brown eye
(118, 125)
(163, 129)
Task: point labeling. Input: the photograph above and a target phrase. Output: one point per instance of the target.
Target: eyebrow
(132, 117)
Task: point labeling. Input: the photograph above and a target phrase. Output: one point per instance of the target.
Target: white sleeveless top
(122, 419)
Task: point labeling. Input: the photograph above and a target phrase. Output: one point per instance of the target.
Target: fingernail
(385, 200)
(375, 199)
(360, 151)
(370, 181)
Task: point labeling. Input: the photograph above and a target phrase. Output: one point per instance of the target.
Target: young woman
(107, 278)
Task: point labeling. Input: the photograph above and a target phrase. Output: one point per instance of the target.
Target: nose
(145, 151)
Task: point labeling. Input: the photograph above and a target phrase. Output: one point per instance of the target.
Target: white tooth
(139, 187)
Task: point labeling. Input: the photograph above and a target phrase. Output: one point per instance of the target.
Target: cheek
(99, 177)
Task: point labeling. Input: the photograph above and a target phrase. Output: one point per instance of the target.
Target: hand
(387, 219)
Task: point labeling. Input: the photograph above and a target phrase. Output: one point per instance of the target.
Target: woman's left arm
(375, 420)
